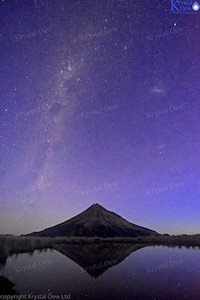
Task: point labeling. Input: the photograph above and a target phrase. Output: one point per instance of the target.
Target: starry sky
(100, 103)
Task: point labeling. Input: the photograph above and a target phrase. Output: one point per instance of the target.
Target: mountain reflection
(95, 259)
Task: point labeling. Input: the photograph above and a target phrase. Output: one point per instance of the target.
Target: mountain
(96, 221)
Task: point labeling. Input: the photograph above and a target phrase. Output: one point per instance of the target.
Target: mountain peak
(96, 205)
(95, 209)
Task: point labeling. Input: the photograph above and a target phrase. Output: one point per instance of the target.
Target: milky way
(99, 104)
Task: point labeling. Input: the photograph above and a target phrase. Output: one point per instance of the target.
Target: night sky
(100, 103)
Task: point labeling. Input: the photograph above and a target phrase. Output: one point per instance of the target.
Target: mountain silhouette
(95, 221)
(95, 259)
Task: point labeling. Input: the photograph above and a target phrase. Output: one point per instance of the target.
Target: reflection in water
(152, 272)
(95, 259)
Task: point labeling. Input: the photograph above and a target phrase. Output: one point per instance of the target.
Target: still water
(104, 271)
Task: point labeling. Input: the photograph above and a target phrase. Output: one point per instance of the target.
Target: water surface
(120, 271)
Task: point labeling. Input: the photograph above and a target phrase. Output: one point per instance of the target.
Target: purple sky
(100, 103)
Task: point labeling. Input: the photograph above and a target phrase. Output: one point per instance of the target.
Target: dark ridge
(95, 221)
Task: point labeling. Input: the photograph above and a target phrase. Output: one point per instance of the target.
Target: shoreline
(19, 244)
